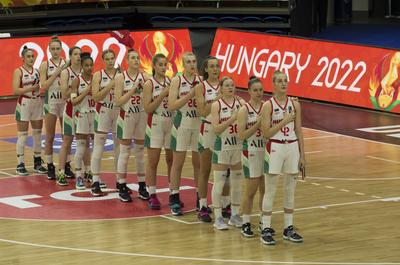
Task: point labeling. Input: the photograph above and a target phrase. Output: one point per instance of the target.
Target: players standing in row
(186, 126)
(159, 124)
(50, 71)
(105, 117)
(131, 124)
(28, 110)
(84, 107)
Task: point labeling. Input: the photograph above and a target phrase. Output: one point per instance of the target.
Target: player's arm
(242, 117)
(149, 104)
(200, 100)
(120, 97)
(97, 93)
(267, 129)
(44, 82)
(220, 127)
(65, 91)
(299, 133)
(16, 84)
(173, 102)
(75, 99)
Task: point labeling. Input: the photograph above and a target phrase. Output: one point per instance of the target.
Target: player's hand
(165, 92)
(66, 65)
(234, 114)
(289, 117)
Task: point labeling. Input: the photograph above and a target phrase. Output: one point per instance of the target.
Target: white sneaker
(235, 221)
(220, 224)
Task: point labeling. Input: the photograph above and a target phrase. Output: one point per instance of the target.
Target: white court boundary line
(383, 159)
(189, 258)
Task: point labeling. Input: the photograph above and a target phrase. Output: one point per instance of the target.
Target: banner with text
(171, 43)
(342, 73)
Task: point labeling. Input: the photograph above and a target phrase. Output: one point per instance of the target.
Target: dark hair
(130, 51)
(105, 52)
(71, 50)
(85, 56)
(25, 49)
(223, 79)
(155, 60)
(55, 39)
(204, 65)
(252, 80)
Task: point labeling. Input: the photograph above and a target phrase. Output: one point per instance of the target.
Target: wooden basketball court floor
(347, 209)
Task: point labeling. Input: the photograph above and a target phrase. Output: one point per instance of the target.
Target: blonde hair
(223, 79)
(276, 73)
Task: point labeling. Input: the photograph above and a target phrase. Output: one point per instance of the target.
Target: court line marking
(354, 137)
(353, 179)
(8, 174)
(344, 190)
(8, 124)
(383, 159)
(313, 152)
(187, 258)
(319, 137)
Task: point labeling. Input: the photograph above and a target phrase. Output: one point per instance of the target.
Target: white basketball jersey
(54, 91)
(255, 141)
(228, 139)
(210, 94)
(72, 75)
(29, 78)
(104, 81)
(162, 109)
(186, 116)
(87, 104)
(135, 104)
(277, 113)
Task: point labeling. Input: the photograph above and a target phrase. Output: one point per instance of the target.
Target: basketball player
(84, 107)
(206, 93)
(50, 71)
(226, 153)
(131, 124)
(68, 130)
(106, 113)
(249, 131)
(159, 124)
(186, 126)
(28, 109)
(281, 124)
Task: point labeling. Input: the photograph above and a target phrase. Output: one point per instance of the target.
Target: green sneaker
(61, 179)
(80, 184)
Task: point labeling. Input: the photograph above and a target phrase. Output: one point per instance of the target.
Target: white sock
(203, 202)
(266, 221)
(21, 141)
(116, 151)
(288, 217)
(235, 209)
(216, 194)
(37, 142)
(96, 178)
(174, 192)
(246, 218)
(98, 147)
(138, 150)
(122, 181)
(49, 159)
(152, 190)
(236, 190)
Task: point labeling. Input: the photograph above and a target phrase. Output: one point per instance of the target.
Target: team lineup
(247, 145)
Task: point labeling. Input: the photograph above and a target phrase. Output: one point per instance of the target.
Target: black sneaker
(21, 170)
(124, 193)
(143, 193)
(51, 171)
(246, 230)
(226, 212)
(290, 234)
(260, 225)
(96, 190)
(203, 215)
(197, 202)
(88, 177)
(38, 165)
(117, 185)
(174, 204)
(68, 170)
(266, 237)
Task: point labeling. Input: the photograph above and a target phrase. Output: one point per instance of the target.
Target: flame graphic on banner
(384, 87)
(165, 44)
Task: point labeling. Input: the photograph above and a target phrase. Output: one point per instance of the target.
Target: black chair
(159, 19)
(182, 19)
(251, 19)
(229, 19)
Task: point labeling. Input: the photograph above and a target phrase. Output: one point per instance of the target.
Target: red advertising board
(18, 3)
(342, 73)
(171, 43)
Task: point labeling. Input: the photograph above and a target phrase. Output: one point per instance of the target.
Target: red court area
(35, 197)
